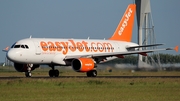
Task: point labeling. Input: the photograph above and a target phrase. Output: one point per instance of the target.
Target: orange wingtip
(176, 48)
(7, 48)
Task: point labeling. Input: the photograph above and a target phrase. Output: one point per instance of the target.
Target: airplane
(82, 54)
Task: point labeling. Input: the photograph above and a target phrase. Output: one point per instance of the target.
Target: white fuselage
(49, 50)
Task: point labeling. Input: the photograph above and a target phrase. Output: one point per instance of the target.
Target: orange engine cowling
(83, 64)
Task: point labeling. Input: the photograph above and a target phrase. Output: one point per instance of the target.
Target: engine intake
(83, 64)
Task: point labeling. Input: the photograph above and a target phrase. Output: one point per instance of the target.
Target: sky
(96, 19)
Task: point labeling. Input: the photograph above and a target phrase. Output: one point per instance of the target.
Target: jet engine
(83, 64)
(24, 67)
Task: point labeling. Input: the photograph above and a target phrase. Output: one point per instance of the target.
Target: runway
(120, 77)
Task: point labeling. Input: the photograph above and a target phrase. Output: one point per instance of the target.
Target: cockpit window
(17, 46)
(27, 46)
(13, 45)
(20, 46)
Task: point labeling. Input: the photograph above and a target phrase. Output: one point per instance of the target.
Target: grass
(88, 89)
(81, 89)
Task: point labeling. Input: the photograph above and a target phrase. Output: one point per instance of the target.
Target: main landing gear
(92, 73)
(53, 72)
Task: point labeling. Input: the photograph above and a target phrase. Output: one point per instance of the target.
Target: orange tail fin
(124, 30)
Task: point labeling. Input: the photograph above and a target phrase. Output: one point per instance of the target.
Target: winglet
(124, 30)
(176, 48)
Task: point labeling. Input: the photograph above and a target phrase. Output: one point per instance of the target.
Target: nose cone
(11, 55)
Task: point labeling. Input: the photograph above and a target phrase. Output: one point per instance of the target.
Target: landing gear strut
(92, 73)
(28, 73)
(53, 72)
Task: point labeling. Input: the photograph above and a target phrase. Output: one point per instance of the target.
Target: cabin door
(37, 48)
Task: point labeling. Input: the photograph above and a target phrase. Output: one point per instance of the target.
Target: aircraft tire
(88, 74)
(28, 74)
(56, 73)
(92, 73)
(51, 73)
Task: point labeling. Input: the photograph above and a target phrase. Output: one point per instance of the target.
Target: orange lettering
(73, 47)
(86, 46)
(59, 48)
(65, 45)
(101, 47)
(108, 46)
(44, 46)
(80, 46)
(51, 46)
(94, 48)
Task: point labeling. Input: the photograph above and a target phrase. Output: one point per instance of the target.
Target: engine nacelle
(23, 67)
(83, 64)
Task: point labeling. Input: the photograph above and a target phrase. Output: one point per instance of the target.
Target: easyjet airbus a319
(81, 54)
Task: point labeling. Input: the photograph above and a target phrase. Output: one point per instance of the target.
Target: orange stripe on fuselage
(73, 46)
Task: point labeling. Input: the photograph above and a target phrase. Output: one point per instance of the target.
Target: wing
(142, 52)
(133, 47)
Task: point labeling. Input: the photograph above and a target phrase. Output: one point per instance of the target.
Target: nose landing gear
(28, 73)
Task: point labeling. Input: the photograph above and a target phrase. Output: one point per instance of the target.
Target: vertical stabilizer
(124, 30)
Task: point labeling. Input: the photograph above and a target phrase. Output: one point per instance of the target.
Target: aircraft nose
(11, 55)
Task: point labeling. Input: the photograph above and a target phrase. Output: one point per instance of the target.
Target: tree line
(133, 59)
